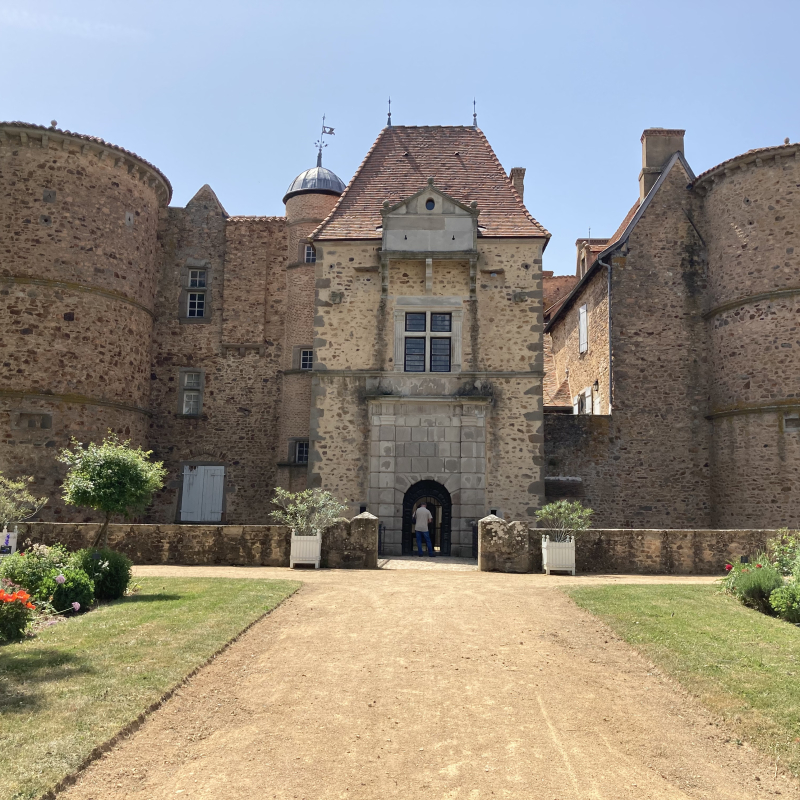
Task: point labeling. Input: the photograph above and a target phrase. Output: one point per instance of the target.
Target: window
(416, 322)
(583, 403)
(196, 305)
(306, 359)
(197, 279)
(301, 452)
(415, 354)
(440, 355)
(427, 353)
(311, 254)
(191, 393)
(583, 330)
(430, 204)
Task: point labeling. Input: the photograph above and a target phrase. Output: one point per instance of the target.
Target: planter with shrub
(566, 520)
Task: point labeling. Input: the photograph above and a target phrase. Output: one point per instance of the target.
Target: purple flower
(60, 579)
(76, 606)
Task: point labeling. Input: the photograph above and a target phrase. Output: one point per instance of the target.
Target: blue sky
(231, 93)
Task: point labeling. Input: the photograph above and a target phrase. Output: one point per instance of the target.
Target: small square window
(311, 254)
(306, 359)
(415, 355)
(415, 322)
(197, 304)
(191, 403)
(441, 323)
(301, 452)
(191, 380)
(197, 279)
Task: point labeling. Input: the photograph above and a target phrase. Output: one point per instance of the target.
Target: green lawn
(741, 664)
(77, 683)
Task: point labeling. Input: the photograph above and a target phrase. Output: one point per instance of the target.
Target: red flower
(758, 566)
(728, 567)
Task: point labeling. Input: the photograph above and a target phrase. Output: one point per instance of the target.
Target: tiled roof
(562, 396)
(256, 219)
(95, 140)
(462, 164)
(553, 395)
(627, 221)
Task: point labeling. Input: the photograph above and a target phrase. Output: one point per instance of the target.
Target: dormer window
(310, 254)
(430, 204)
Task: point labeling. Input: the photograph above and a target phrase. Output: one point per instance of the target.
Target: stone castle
(396, 339)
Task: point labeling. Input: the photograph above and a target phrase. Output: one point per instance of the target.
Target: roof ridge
(342, 196)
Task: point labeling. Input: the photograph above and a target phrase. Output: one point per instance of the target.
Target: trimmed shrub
(786, 602)
(110, 571)
(754, 583)
(71, 589)
(16, 611)
(33, 568)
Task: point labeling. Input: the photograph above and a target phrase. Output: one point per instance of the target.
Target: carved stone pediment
(430, 221)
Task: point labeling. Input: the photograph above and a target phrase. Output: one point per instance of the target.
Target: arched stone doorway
(439, 504)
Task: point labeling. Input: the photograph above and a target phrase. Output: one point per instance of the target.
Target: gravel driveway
(428, 683)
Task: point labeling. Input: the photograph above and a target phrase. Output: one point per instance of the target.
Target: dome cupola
(317, 180)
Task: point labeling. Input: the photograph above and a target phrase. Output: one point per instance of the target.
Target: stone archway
(435, 494)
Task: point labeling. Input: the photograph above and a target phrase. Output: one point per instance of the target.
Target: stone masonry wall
(585, 368)
(517, 547)
(77, 286)
(240, 356)
(753, 321)
(346, 545)
(649, 464)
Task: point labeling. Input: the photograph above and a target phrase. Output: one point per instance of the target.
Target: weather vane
(389, 120)
(474, 114)
(321, 143)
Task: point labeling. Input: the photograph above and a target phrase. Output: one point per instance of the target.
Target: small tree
(565, 517)
(111, 477)
(306, 513)
(16, 502)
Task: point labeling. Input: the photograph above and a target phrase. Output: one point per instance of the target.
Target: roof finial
(474, 114)
(389, 120)
(320, 143)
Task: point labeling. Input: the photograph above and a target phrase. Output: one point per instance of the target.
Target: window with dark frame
(306, 359)
(311, 254)
(301, 452)
(416, 322)
(440, 354)
(441, 323)
(196, 305)
(415, 354)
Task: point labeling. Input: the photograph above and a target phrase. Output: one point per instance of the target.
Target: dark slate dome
(316, 179)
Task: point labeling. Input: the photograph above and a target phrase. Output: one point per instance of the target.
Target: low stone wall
(351, 545)
(346, 545)
(517, 547)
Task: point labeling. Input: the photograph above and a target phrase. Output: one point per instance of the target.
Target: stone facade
(703, 428)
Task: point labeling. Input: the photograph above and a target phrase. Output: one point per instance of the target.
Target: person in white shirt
(422, 518)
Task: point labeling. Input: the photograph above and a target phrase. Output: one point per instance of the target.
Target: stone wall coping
(421, 398)
(752, 158)
(143, 170)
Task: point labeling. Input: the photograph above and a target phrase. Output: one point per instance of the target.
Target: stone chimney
(658, 145)
(517, 176)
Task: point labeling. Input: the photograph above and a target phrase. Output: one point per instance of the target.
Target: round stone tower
(309, 199)
(752, 229)
(78, 221)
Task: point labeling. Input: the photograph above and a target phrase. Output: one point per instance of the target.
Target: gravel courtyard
(428, 683)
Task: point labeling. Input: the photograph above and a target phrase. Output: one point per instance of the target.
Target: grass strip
(78, 683)
(741, 664)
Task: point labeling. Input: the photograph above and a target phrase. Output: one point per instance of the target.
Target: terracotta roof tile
(554, 395)
(462, 164)
(751, 155)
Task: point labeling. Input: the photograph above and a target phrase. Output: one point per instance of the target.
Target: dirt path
(407, 683)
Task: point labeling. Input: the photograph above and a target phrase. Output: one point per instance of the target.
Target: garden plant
(565, 518)
(111, 477)
(307, 513)
(16, 502)
(16, 611)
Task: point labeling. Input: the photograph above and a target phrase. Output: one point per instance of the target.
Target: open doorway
(437, 499)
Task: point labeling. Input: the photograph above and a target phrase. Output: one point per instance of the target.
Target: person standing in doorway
(422, 518)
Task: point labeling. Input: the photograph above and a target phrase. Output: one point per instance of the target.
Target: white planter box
(11, 547)
(558, 556)
(306, 550)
